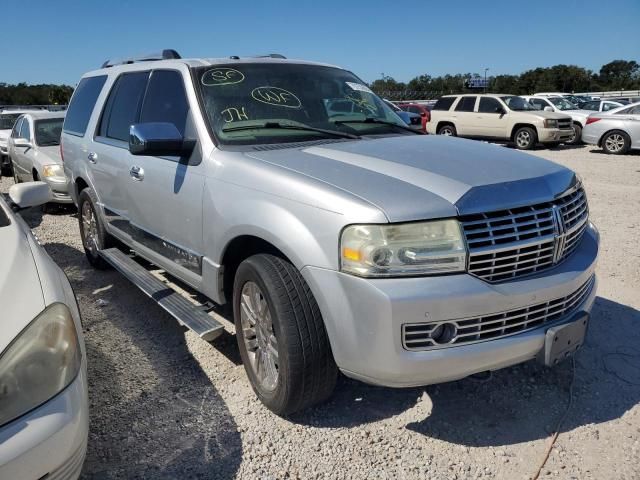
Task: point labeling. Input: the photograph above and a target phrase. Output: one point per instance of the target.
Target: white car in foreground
(43, 370)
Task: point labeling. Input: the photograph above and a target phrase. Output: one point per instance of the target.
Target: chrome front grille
(424, 336)
(521, 241)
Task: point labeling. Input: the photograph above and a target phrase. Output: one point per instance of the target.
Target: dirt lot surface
(165, 404)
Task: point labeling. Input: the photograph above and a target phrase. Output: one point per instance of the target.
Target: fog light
(443, 333)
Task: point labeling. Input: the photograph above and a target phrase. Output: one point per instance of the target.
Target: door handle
(92, 157)
(136, 173)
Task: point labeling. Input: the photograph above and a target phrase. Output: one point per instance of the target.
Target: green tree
(620, 74)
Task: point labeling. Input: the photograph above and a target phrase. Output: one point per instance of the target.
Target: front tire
(281, 335)
(525, 138)
(577, 135)
(616, 143)
(447, 130)
(92, 232)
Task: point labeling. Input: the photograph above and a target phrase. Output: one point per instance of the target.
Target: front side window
(253, 103)
(562, 104)
(489, 105)
(466, 104)
(15, 133)
(7, 120)
(25, 131)
(519, 104)
(47, 132)
(165, 100)
(82, 103)
(123, 105)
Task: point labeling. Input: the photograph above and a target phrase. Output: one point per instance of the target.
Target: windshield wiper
(287, 126)
(380, 122)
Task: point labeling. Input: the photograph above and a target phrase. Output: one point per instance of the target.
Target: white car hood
(49, 155)
(4, 136)
(21, 297)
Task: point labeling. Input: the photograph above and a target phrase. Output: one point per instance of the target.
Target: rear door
(464, 116)
(165, 193)
(108, 158)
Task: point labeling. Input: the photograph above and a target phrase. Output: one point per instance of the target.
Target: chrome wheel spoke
(259, 337)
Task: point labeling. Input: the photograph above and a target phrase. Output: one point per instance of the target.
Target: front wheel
(281, 335)
(92, 232)
(616, 142)
(525, 138)
(576, 138)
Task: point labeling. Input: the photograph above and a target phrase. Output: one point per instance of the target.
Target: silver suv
(340, 240)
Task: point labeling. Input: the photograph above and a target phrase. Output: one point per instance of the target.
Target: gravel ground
(165, 404)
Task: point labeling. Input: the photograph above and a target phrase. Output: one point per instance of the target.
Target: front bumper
(364, 318)
(554, 135)
(59, 189)
(49, 442)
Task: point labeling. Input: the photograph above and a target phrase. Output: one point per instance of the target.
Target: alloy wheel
(523, 139)
(614, 142)
(89, 228)
(259, 337)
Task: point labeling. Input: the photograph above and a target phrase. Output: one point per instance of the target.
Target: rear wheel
(92, 232)
(448, 130)
(281, 335)
(576, 139)
(525, 138)
(616, 142)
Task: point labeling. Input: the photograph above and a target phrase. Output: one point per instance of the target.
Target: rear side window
(466, 104)
(444, 103)
(82, 103)
(123, 105)
(165, 100)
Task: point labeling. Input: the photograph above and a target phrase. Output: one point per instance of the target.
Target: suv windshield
(255, 103)
(517, 104)
(562, 104)
(47, 132)
(7, 120)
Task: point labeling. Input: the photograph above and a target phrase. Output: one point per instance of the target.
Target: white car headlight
(53, 170)
(550, 123)
(41, 362)
(420, 248)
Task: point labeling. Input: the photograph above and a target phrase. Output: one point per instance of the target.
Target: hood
(550, 115)
(4, 135)
(49, 155)
(577, 113)
(21, 297)
(430, 176)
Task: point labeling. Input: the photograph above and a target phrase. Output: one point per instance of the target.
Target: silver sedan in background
(616, 131)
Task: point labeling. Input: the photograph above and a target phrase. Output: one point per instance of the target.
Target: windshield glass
(562, 104)
(284, 95)
(517, 104)
(47, 132)
(7, 120)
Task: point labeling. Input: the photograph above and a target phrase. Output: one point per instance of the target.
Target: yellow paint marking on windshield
(234, 114)
(222, 76)
(276, 96)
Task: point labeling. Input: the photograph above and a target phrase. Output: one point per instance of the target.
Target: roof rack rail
(271, 55)
(167, 54)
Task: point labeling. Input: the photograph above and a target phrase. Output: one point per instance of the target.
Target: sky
(57, 41)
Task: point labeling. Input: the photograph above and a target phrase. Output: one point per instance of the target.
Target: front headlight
(405, 249)
(53, 170)
(41, 362)
(550, 123)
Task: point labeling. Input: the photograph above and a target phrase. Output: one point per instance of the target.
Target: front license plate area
(564, 340)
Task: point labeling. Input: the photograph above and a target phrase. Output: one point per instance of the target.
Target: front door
(165, 193)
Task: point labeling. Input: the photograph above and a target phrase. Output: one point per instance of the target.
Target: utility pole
(485, 80)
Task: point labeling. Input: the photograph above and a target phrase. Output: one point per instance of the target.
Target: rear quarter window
(82, 103)
(444, 103)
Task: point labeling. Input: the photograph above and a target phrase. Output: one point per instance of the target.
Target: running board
(184, 311)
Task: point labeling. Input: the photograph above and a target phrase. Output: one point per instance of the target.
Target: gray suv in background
(341, 240)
